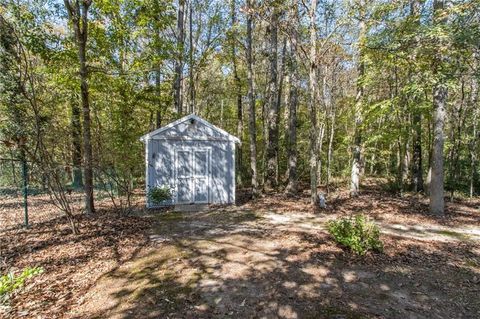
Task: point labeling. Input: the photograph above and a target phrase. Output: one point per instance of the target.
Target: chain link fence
(25, 198)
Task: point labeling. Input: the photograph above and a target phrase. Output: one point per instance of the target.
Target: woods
(239, 159)
(321, 93)
(334, 90)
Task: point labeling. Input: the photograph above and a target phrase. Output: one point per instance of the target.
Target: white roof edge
(186, 118)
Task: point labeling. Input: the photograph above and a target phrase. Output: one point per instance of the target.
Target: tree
(238, 88)
(251, 101)
(292, 105)
(180, 37)
(271, 174)
(78, 16)
(357, 139)
(417, 168)
(311, 101)
(437, 202)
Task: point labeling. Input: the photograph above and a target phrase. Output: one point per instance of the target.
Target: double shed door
(192, 167)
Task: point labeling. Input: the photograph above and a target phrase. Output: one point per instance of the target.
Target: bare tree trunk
(78, 15)
(158, 115)
(473, 156)
(311, 103)
(330, 147)
(271, 181)
(191, 108)
(321, 136)
(417, 169)
(357, 140)
(177, 84)
(475, 136)
(251, 103)
(238, 91)
(437, 202)
(77, 180)
(291, 141)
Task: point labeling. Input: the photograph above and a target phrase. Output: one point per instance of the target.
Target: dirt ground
(268, 258)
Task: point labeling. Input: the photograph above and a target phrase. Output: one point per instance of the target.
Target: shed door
(192, 167)
(200, 178)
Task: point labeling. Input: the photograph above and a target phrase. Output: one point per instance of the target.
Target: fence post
(25, 189)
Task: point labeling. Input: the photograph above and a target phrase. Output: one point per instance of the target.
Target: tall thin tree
(291, 107)
(417, 169)
(357, 138)
(437, 201)
(271, 181)
(78, 16)
(238, 88)
(311, 101)
(251, 101)
(180, 38)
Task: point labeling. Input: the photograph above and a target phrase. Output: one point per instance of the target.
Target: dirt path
(244, 263)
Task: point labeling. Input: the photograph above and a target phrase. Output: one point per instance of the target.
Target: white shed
(194, 159)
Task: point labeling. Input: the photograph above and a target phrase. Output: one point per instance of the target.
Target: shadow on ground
(238, 265)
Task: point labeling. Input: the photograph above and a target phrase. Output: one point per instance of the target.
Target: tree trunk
(311, 103)
(158, 115)
(321, 136)
(473, 156)
(177, 84)
(475, 136)
(436, 188)
(271, 181)
(238, 92)
(291, 140)
(191, 108)
(251, 103)
(78, 15)
(437, 204)
(330, 148)
(417, 169)
(77, 180)
(357, 140)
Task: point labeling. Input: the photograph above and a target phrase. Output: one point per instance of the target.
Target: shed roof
(213, 132)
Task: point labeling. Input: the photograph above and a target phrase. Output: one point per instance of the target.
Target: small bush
(357, 233)
(11, 282)
(157, 195)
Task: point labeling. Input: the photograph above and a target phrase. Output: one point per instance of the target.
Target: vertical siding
(161, 166)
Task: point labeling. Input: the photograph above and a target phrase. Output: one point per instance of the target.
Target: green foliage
(157, 195)
(11, 282)
(357, 233)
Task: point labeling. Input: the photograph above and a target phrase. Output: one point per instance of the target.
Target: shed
(194, 159)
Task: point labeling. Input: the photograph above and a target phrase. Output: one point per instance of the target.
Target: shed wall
(160, 160)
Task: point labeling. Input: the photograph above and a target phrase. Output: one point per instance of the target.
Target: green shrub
(11, 282)
(357, 233)
(157, 195)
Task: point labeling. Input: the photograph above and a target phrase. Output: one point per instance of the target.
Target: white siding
(160, 154)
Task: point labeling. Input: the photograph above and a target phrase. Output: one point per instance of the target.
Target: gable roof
(224, 133)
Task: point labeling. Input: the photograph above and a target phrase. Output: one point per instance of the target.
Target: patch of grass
(453, 234)
(246, 216)
(170, 216)
(161, 279)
